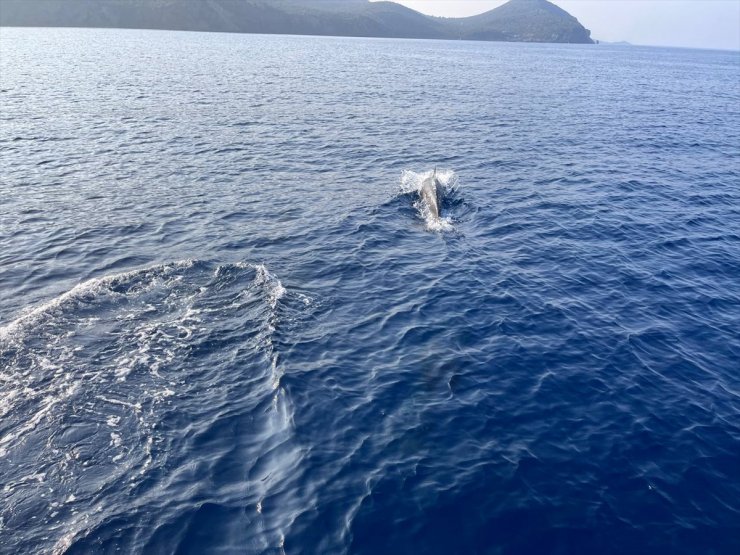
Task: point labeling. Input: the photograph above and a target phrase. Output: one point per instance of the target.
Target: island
(515, 21)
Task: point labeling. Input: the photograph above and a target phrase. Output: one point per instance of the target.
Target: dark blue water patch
(228, 325)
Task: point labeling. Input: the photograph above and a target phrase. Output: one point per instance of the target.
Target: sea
(229, 323)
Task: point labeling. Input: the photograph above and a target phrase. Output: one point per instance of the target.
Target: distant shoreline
(600, 43)
(373, 37)
(537, 21)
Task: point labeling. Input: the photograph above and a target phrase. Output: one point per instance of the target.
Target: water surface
(227, 327)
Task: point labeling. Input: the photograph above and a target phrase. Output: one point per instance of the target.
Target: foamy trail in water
(88, 290)
(278, 465)
(411, 183)
(122, 348)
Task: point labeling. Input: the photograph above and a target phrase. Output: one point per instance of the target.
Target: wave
(91, 376)
(85, 291)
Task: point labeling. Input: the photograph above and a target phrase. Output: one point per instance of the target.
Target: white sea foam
(276, 291)
(40, 380)
(279, 426)
(87, 289)
(110, 347)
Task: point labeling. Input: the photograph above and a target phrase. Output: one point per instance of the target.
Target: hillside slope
(524, 21)
(518, 20)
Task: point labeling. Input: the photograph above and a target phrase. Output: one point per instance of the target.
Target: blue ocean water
(228, 326)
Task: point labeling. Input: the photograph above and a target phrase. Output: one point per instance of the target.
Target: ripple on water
(555, 373)
(98, 377)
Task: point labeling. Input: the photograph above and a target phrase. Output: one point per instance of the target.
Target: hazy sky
(694, 23)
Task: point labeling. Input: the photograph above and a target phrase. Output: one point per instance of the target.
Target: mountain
(517, 20)
(524, 21)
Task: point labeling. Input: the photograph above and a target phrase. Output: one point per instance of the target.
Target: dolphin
(429, 193)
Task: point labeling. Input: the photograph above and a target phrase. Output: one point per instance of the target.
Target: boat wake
(100, 383)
